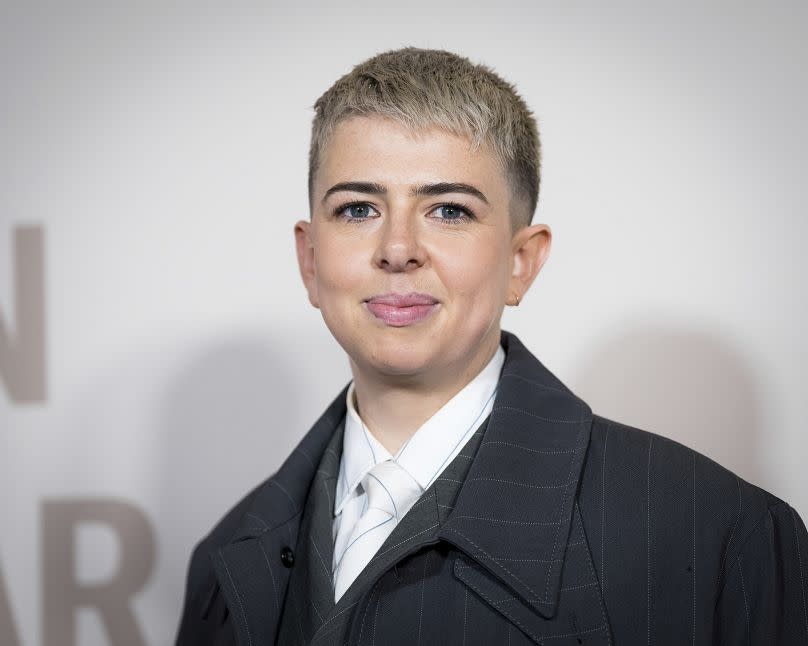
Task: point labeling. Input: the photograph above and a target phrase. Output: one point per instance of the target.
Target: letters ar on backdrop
(23, 368)
(153, 327)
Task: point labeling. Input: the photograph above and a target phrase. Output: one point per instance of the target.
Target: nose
(399, 246)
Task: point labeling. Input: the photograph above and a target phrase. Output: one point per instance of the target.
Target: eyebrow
(438, 188)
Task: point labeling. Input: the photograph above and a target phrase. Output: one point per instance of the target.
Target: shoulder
(676, 486)
(225, 528)
(665, 522)
(662, 459)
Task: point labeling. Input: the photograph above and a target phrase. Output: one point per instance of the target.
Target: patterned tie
(391, 491)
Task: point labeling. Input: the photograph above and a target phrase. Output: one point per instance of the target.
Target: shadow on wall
(686, 384)
(226, 422)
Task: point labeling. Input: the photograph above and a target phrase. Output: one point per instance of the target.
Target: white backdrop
(153, 163)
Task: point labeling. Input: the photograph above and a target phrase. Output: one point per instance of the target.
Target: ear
(530, 249)
(305, 259)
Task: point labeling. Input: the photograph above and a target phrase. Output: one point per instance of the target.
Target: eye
(454, 212)
(355, 211)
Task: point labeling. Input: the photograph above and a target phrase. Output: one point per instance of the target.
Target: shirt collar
(427, 452)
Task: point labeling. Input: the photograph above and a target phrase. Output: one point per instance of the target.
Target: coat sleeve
(765, 593)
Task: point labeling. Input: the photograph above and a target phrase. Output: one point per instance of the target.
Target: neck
(393, 409)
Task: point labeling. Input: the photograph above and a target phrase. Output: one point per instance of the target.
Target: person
(455, 491)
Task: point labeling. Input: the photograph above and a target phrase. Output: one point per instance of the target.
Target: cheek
(477, 273)
(339, 268)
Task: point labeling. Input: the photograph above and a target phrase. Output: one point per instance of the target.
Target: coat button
(287, 556)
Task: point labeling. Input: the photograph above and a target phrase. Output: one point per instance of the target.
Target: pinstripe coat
(552, 526)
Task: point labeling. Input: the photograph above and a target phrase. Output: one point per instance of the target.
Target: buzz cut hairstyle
(424, 88)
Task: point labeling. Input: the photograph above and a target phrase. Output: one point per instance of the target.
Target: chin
(391, 356)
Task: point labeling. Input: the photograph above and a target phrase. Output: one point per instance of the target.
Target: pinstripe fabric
(688, 552)
(310, 593)
(423, 456)
(566, 529)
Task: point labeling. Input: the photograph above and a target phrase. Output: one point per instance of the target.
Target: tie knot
(390, 488)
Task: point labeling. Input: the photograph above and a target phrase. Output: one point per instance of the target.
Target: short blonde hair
(423, 88)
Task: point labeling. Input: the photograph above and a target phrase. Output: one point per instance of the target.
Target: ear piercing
(516, 296)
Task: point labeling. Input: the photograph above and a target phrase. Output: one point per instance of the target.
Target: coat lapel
(516, 519)
(248, 568)
(580, 614)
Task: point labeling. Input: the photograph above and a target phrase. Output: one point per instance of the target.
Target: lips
(403, 300)
(399, 310)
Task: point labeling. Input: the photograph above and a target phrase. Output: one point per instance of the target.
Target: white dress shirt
(424, 456)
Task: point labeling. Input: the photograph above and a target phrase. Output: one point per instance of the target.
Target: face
(409, 253)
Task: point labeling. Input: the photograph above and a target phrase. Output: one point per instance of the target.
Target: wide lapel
(321, 540)
(515, 517)
(249, 568)
(580, 616)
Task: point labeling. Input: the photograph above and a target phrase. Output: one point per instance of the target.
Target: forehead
(375, 148)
